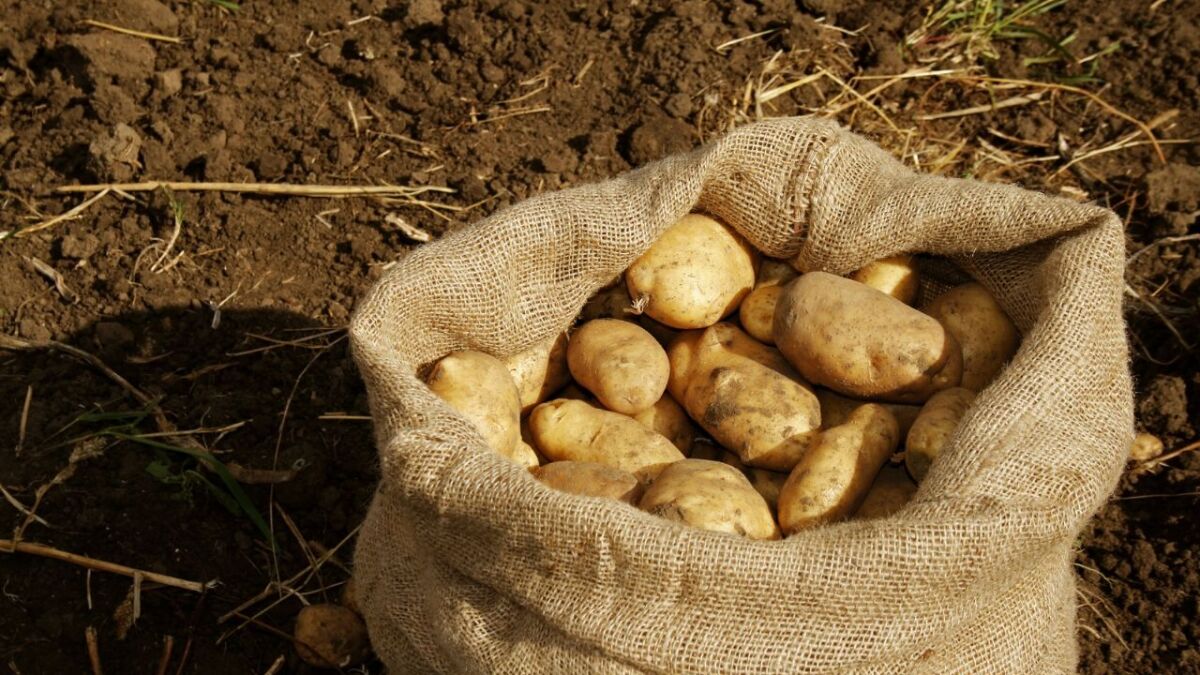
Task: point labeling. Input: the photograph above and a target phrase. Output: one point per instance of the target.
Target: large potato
(896, 276)
(835, 408)
(573, 430)
(832, 479)
(938, 419)
(669, 419)
(987, 336)
(752, 409)
(695, 274)
(863, 343)
(479, 387)
(591, 480)
(757, 311)
(539, 371)
(889, 493)
(619, 362)
(711, 496)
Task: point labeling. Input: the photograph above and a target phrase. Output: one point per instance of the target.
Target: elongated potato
(591, 480)
(757, 311)
(573, 430)
(987, 336)
(619, 362)
(720, 338)
(835, 408)
(938, 419)
(479, 387)
(832, 479)
(669, 419)
(863, 343)
(889, 493)
(694, 275)
(539, 371)
(711, 496)
(895, 276)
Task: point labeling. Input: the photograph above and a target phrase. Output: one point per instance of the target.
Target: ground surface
(220, 326)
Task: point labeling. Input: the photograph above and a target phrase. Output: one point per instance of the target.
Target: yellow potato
(573, 430)
(757, 311)
(987, 336)
(896, 276)
(539, 371)
(524, 454)
(591, 480)
(619, 362)
(863, 343)
(480, 388)
(832, 479)
(835, 408)
(331, 636)
(1145, 447)
(669, 419)
(889, 493)
(938, 419)
(752, 409)
(766, 483)
(695, 274)
(711, 496)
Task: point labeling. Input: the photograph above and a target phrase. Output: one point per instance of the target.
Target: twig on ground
(93, 649)
(30, 548)
(130, 31)
(21, 428)
(276, 666)
(165, 659)
(29, 514)
(1153, 462)
(68, 215)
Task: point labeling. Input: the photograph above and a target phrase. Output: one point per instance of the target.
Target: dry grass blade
(93, 650)
(165, 659)
(21, 508)
(979, 109)
(60, 284)
(1161, 459)
(68, 215)
(24, 423)
(30, 548)
(289, 189)
(130, 31)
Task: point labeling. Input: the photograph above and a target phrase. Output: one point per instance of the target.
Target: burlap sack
(468, 565)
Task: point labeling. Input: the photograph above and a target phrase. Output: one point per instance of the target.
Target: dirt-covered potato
(619, 362)
(539, 371)
(1145, 447)
(832, 479)
(695, 274)
(591, 480)
(835, 408)
(669, 419)
(331, 636)
(939, 416)
(757, 311)
(480, 387)
(987, 336)
(863, 343)
(711, 496)
(573, 430)
(767, 418)
(889, 493)
(896, 276)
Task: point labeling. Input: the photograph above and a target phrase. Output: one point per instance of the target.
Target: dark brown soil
(496, 100)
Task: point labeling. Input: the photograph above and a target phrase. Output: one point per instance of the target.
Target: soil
(230, 325)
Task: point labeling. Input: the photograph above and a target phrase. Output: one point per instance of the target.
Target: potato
(987, 336)
(591, 480)
(863, 343)
(611, 302)
(669, 419)
(711, 496)
(757, 311)
(835, 408)
(539, 371)
(1145, 447)
(619, 362)
(766, 483)
(479, 387)
(752, 409)
(889, 493)
(938, 418)
(695, 274)
(895, 276)
(832, 479)
(331, 636)
(573, 430)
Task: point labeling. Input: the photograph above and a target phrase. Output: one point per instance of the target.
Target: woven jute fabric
(466, 564)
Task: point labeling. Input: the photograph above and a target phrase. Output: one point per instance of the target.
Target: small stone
(169, 82)
(78, 247)
(422, 13)
(271, 165)
(114, 154)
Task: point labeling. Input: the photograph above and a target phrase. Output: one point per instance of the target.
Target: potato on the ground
(752, 409)
(695, 274)
(331, 636)
(832, 479)
(711, 496)
(573, 430)
(539, 371)
(619, 362)
(669, 419)
(938, 419)
(757, 311)
(863, 343)
(896, 276)
(480, 388)
(889, 493)
(1145, 447)
(835, 408)
(987, 336)
(591, 480)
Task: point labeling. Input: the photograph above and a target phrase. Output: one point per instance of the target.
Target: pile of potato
(794, 414)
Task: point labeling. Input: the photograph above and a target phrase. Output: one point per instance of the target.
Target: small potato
(575, 431)
(832, 479)
(896, 276)
(889, 493)
(987, 336)
(757, 311)
(695, 274)
(711, 496)
(669, 419)
(1145, 447)
(619, 362)
(479, 387)
(539, 371)
(591, 480)
(331, 636)
(863, 343)
(835, 408)
(611, 302)
(938, 418)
